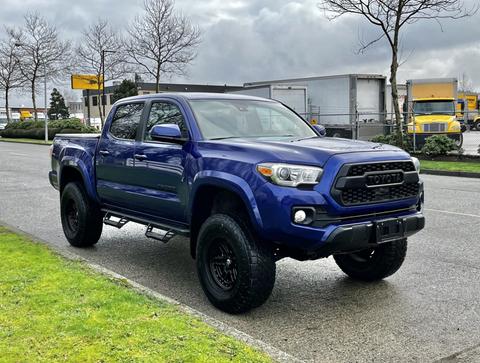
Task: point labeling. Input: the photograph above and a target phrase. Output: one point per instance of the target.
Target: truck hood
(434, 118)
(315, 150)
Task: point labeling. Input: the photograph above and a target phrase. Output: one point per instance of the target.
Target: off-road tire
(84, 229)
(373, 264)
(254, 265)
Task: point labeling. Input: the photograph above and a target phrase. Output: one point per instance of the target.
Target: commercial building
(95, 99)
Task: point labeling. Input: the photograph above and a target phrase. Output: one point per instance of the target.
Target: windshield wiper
(224, 137)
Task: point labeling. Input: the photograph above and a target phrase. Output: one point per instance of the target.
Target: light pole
(102, 66)
(45, 100)
(45, 116)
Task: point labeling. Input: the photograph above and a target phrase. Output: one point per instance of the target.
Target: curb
(275, 353)
(25, 142)
(464, 174)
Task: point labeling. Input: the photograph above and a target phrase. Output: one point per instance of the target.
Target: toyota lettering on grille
(378, 179)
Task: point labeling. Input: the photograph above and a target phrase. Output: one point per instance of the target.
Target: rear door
(115, 156)
(160, 165)
(293, 97)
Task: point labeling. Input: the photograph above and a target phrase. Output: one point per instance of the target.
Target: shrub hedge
(438, 145)
(36, 129)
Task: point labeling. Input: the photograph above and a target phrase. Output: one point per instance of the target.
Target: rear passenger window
(125, 122)
(165, 113)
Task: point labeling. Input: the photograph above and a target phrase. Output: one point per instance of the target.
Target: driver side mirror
(167, 132)
(321, 130)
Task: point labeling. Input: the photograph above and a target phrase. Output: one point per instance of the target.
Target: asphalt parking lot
(471, 142)
(428, 311)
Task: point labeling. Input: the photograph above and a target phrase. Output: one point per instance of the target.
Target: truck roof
(314, 78)
(434, 99)
(195, 96)
(431, 80)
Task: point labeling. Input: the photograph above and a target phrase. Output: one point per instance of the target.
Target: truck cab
(432, 110)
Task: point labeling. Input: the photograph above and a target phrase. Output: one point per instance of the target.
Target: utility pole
(45, 99)
(104, 98)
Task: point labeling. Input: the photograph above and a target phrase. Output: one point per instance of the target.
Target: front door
(115, 156)
(160, 166)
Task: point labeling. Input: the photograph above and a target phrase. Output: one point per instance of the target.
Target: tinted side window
(125, 122)
(165, 113)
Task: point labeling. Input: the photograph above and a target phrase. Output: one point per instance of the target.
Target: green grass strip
(451, 166)
(53, 309)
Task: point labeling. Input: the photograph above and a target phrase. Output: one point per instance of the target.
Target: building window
(104, 100)
(111, 99)
(94, 101)
(86, 101)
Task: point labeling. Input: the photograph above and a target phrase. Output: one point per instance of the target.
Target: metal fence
(367, 125)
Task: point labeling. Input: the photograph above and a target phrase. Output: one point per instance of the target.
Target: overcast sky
(252, 40)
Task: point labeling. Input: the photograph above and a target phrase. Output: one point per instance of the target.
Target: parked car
(248, 181)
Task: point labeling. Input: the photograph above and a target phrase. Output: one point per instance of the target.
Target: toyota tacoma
(248, 181)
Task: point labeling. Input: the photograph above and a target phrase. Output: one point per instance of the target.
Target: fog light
(299, 216)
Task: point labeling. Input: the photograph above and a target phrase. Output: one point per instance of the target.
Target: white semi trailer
(351, 105)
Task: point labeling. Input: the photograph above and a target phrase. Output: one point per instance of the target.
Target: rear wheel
(374, 263)
(476, 125)
(235, 272)
(82, 220)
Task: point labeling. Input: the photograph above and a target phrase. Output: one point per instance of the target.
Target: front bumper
(420, 138)
(347, 238)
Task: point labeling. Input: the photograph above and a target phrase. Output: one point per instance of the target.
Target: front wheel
(236, 273)
(459, 141)
(374, 263)
(82, 220)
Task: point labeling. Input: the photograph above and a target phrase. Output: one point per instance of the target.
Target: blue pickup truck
(248, 181)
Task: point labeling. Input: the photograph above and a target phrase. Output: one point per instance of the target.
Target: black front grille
(374, 195)
(360, 169)
(351, 183)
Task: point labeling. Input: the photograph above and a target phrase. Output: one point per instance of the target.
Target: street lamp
(45, 96)
(102, 65)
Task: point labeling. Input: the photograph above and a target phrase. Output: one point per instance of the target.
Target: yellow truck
(431, 109)
(472, 109)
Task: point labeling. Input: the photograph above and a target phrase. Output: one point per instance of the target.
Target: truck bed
(75, 149)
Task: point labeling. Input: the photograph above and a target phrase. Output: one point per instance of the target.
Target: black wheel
(236, 273)
(373, 264)
(459, 141)
(82, 220)
(476, 125)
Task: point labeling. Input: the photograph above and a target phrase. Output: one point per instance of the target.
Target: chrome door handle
(140, 157)
(104, 152)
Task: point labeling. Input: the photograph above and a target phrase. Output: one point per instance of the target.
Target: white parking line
(455, 213)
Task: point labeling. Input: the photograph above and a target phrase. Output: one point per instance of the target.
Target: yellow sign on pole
(87, 81)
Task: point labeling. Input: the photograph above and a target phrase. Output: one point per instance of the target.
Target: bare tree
(161, 41)
(391, 16)
(99, 53)
(10, 75)
(42, 53)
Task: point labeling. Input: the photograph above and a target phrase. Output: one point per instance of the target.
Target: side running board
(114, 221)
(159, 231)
(164, 237)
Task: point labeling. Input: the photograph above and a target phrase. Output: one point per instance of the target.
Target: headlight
(416, 162)
(290, 175)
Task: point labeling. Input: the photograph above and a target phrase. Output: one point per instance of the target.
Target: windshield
(434, 108)
(223, 119)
